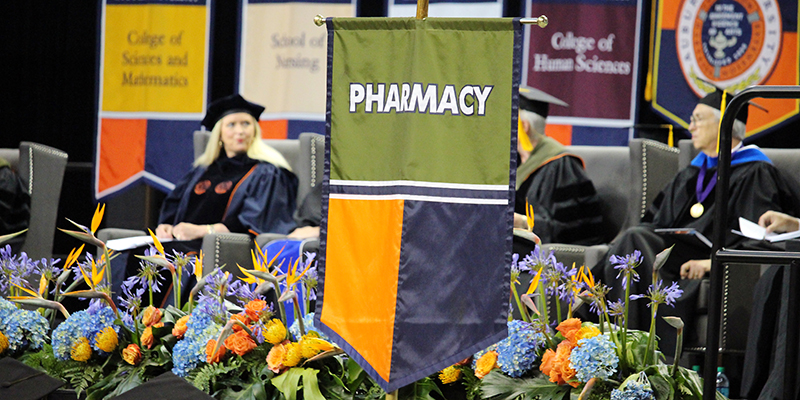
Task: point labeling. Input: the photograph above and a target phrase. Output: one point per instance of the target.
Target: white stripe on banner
(438, 185)
(433, 199)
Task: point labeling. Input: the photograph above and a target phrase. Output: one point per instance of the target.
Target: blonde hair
(258, 150)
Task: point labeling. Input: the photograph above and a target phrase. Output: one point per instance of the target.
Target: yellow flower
(293, 355)
(586, 332)
(81, 351)
(274, 332)
(132, 354)
(3, 343)
(107, 339)
(311, 346)
(486, 364)
(449, 374)
(151, 316)
(98, 216)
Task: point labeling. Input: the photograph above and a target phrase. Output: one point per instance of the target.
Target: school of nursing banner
(587, 56)
(152, 90)
(732, 43)
(418, 190)
(448, 8)
(282, 62)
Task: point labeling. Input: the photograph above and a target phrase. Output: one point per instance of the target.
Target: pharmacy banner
(733, 44)
(282, 62)
(587, 56)
(448, 8)
(418, 191)
(152, 93)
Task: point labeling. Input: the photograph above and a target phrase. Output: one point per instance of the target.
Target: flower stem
(624, 338)
(543, 303)
(650, 355)
(298, 316)
(522, 311)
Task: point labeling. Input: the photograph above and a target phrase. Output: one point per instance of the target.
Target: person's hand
(304, 232)
(695, 269)
(187, 231)
(778, 222)
(164, 231)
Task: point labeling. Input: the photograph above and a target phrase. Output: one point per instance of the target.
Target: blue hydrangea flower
(308, 323)
(517, 353)
(23, 328)
(633, 391)
(190, 351)
(594, 358)
(86, 323)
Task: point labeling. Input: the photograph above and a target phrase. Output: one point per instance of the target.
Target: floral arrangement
(225, 338)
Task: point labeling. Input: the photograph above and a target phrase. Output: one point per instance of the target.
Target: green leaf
(311, 385)
(498, 386)
(288, 382)
(420, 390)
(252, 391)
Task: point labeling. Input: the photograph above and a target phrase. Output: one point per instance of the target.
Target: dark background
(49, 57)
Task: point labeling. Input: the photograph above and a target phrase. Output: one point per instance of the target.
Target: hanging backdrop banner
(448, 8)
(152, 92)
(731, 43)
(587, 56)
(282, 62)
(418, 190)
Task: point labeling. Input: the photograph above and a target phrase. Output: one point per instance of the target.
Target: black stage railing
(720, 256)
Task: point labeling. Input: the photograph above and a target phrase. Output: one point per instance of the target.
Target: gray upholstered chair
(42, 171)
(738, 281)
(306, 156)
(645, 165)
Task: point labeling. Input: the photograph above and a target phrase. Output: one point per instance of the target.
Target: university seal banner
(730, 43)
(282, 62)
(418, 191)
(152, 90)
(587, 56)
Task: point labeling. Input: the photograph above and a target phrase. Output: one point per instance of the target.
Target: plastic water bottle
(723, 384)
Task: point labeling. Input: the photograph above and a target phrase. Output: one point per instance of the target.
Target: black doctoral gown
(756, 186)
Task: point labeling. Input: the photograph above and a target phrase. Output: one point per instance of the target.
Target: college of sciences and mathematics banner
(448, 8)
(283, 62)
(587, 56)
(731, 43)
(418, 190)
(153, 90)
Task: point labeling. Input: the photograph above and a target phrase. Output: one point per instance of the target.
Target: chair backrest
(653, 166)
(607, 167)
(41, 169)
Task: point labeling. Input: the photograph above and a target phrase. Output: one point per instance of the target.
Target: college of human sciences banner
(731, 43)
(418, 191)
(152, 90)
(448, 8)
(587, 56)
(282, 62)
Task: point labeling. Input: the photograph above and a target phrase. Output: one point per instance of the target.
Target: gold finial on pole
(422, 9)
(541, 21)
(319, 20)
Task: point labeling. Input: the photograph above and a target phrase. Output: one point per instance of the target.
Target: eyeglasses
(696, 119)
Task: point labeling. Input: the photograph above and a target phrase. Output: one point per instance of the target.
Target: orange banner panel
(122, 146)
(361, 269)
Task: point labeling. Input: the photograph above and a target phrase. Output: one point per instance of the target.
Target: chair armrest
(227, 249)
(265, 238)
(115, 233)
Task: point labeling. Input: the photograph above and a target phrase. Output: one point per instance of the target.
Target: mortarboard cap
(21, 382)
(165, 386)
(537, 101)
(714, 100)
(229, 105)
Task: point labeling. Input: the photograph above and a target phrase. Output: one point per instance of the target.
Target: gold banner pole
(422, 13)
(422, 9)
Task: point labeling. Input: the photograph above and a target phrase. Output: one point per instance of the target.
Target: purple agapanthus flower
(149, 275)
(244, 292)
(14, 270)
(131, 299)
(538, 259)
(48, 268)
(616, 308)
(627, 265)
(659, 294)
